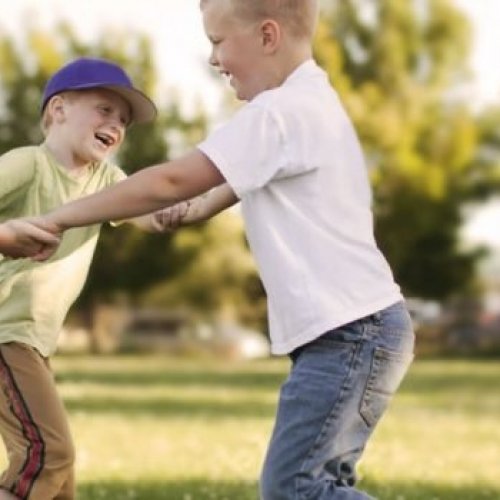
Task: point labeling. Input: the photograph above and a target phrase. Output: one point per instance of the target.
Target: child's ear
(271, 35)
(56, 108)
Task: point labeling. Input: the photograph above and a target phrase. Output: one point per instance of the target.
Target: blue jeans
(337, 390)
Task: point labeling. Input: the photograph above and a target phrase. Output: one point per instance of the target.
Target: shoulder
(20, 158)
(291, 102)
(306, 100)
(308, 79)
(110, 173)
(16, 154)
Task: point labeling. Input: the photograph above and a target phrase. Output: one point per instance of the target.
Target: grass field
(155, 428)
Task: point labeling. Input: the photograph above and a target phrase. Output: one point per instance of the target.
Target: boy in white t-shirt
(292, 158)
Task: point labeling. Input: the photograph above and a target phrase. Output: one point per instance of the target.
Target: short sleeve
(249, 150)
(116, 174)
(17, 169)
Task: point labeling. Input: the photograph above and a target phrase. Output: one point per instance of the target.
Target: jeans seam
(330, 419)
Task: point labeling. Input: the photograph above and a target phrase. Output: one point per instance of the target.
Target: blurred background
(169, 338)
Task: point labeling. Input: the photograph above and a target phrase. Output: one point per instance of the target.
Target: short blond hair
(299, 17)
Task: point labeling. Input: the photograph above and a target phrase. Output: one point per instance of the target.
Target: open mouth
(105, 139)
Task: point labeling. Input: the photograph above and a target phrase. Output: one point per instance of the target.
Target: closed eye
(125, 120)
(105, 109)
(215, 41)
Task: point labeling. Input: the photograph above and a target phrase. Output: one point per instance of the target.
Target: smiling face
(257, 44)
(237, 49)
(87, 126)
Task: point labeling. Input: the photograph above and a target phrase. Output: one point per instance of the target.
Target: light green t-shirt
(35, 296)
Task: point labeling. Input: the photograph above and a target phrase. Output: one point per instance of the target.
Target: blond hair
(299, 17)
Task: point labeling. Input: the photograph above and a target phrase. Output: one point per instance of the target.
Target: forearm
(143, 192)
(139, 194)
(209, 204)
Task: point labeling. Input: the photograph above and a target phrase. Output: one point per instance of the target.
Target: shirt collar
(308, 68)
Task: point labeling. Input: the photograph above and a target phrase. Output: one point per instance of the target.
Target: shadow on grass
(171, 407)
(247, 490)
(430, 491)
(424, 378)
(168, 490)
(199, 378)
(250, 386)
(472, 388)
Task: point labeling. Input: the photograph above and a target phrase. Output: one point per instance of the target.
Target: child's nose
(212, 60)
(117, 123)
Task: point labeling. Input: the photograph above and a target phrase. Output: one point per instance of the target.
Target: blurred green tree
(398, 66)
(221, 282)
(203, 273)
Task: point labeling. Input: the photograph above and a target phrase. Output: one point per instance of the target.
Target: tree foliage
(127, 261)
(398, 66)
(195, 268)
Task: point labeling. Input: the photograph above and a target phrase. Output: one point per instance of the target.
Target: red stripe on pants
(36, 448)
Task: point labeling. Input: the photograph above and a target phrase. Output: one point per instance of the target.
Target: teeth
(107, 140)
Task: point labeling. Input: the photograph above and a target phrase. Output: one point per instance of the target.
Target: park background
(163, 364)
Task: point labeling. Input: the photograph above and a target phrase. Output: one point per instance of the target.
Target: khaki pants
(34, 428)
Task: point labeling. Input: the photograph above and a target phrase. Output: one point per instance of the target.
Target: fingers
(21, 238)
(44, 253)
(183, 208)
(171, 218)
(161, 221)
(43, 223)
(42, 236)
(175, 217)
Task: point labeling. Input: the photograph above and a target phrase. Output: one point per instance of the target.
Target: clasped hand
(31, 237)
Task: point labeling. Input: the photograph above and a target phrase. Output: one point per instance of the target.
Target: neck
(64, 156)
(291, 63)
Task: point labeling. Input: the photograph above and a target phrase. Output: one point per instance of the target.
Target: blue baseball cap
(92, 73)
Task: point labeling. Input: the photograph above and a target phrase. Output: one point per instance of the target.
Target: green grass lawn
(159, 428)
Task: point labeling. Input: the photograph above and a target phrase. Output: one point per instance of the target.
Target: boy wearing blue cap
(292, 157)
(86, 108)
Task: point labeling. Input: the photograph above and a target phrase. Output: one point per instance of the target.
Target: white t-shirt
(292, 157)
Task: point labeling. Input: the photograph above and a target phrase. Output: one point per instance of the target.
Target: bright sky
(182, 51)
(173, 25)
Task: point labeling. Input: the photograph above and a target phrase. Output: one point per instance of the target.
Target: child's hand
(23, 238)
(48, 248)
(169, 219)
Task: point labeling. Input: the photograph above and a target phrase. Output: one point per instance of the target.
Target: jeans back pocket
(387, 370)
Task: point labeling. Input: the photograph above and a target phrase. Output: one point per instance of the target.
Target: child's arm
(153, 223)
(197, 209)
(157, 222)
(146, 191)
(20, 238)
(187, 212)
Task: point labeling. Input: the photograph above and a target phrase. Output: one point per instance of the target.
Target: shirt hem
(284, 348)
(45, 353)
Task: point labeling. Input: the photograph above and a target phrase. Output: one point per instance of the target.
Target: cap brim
(142, 107)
